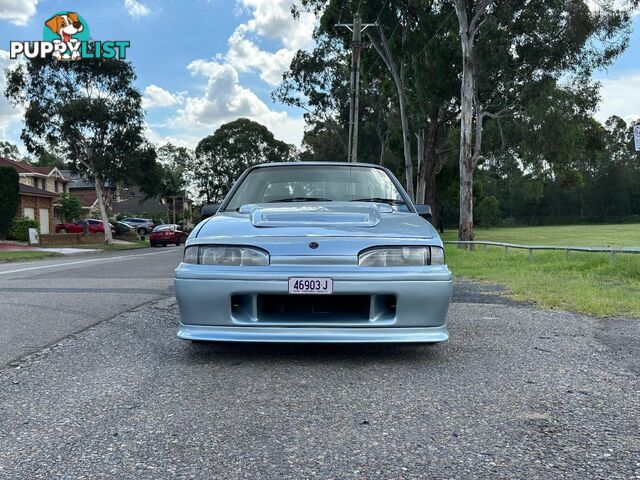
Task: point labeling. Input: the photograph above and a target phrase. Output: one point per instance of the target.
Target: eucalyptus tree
(87, 112)
(408, 73)
(511, 48)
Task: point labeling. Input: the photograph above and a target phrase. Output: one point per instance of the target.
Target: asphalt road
(44, 301)
(515, 393)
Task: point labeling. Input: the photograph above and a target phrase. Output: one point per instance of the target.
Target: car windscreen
(331, 183)
(164, 228)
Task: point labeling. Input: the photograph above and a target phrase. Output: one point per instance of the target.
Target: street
(42, 302)
(95, 384)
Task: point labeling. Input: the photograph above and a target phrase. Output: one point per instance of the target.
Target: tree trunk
(382, 47)
(108, 237)
(428, 170)
(406, 140)
(467, 90)
(383, 137)
(469, 100)
(428, 156)
(421, 166)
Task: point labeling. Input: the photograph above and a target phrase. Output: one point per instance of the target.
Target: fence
(612, 251)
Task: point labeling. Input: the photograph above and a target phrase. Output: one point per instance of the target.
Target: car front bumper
(210, 309)
(313, 334)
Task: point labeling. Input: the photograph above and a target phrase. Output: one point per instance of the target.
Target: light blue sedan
(311, 253)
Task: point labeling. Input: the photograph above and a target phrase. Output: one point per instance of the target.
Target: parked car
(95, 226)
(315, 252)
(123, 228)
(141, 225)
(166, 234)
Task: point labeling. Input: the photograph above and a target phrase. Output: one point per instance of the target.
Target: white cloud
(244, 55)
(136, 9)
(273, 19)
(157, 97)
(189, 141)
(8, 113)
(620, 97)
(17, 12)
(270, 19)
(223, 98)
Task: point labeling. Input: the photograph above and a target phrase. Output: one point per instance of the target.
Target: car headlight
(226, 255)
(401, 257)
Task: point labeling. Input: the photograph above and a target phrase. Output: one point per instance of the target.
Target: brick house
(85, 191)
(40, 188)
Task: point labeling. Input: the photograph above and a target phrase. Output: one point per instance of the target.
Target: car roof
(317, 163)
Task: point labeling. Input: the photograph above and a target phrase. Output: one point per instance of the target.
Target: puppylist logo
(66, 36)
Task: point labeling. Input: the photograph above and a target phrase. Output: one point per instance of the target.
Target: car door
(95, 226)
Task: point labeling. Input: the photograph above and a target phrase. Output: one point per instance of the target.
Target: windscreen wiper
(390, 201)
(301, 199)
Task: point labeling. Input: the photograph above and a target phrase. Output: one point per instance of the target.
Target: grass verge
(582, 282)
(21, 256)
(624, 235)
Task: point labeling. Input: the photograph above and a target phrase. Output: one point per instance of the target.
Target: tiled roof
(24, 167)
(134, 206)
(38, 192)
(20, 167)
(78, 181)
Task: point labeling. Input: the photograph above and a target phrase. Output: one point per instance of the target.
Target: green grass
(582, 282)
(20, 256)
(592, 235)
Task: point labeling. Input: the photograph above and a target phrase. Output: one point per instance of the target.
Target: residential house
(131, 201)
(85, 191)
(40, 189)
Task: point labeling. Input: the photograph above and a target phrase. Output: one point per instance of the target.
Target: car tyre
(63, 230)
(142, 231)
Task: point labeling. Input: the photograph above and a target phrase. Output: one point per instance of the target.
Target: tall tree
(88, 112)
(511, 47)
(235, 146)
(409, 80)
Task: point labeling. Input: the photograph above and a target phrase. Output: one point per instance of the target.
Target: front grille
(313, 308)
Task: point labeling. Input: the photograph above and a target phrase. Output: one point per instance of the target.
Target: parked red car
(166, 234)
(95, 226)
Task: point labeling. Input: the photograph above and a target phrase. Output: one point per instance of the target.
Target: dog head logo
(67, 28)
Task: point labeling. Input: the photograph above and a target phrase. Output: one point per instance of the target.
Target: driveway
(517, 392)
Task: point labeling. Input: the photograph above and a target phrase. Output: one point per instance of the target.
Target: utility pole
(356, 48)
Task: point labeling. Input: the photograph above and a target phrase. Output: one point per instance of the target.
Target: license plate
(315, 285)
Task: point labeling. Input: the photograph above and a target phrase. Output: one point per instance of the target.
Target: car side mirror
(424, 211)
(209, 210)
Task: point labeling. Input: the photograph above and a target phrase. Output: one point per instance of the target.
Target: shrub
(70, 207)
(9, 196)
(20, 229)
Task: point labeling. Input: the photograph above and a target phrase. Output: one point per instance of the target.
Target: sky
(203, 63)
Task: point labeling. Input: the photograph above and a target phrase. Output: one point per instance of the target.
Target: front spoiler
(313, 334)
